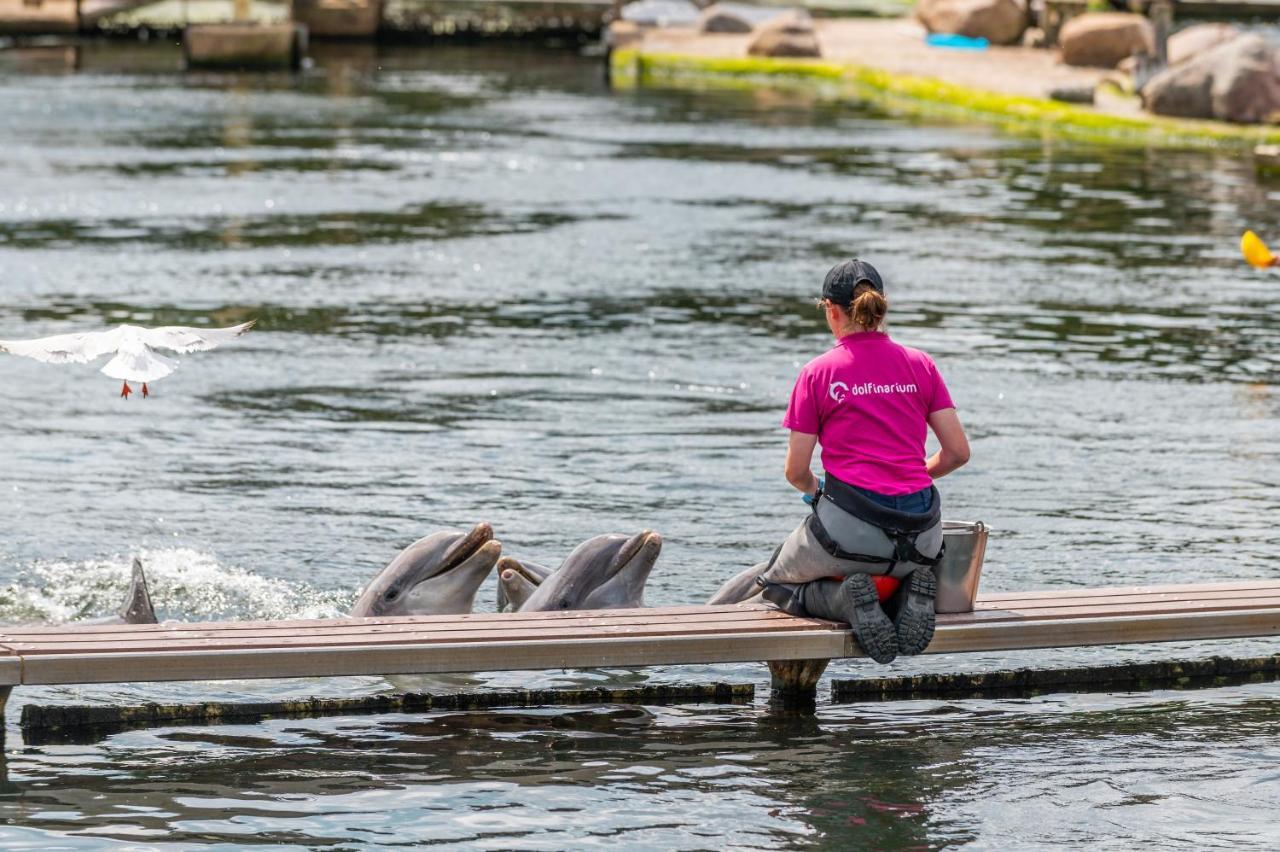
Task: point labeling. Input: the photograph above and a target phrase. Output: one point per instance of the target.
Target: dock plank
(637, 637)
(504, 637)
(443, 658)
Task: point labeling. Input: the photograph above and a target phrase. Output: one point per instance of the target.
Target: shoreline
(1004, 87)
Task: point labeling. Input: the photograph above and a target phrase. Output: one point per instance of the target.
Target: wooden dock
(796, 648)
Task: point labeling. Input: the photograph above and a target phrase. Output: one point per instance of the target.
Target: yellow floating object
(1256, 251)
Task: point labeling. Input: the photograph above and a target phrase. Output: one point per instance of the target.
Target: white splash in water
(185, 585)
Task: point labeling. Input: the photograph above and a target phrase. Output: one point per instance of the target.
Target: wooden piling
(794, 684)
(4, 701)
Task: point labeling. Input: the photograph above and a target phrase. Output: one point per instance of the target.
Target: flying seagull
(132, 346)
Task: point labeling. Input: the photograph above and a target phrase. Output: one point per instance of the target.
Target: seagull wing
(181, 338)
(66, 348)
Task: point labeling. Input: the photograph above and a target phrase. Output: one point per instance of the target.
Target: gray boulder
(1197, 38)
(734, 17)
(1194, 40)
(1238, 81)
(998, 21)
(790, 35)
(1104, 39)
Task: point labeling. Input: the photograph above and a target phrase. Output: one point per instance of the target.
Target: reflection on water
(913, 774)
(419, 222)
(488, 289)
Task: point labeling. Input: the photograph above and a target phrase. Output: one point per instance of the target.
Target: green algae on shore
(925, 97)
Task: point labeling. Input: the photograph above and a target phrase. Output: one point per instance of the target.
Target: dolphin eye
(393, 594)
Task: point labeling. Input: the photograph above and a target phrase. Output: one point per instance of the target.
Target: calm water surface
(488, 289)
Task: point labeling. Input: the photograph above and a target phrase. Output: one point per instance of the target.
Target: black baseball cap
(845, 277)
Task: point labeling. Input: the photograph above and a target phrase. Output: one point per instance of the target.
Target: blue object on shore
(956, 42)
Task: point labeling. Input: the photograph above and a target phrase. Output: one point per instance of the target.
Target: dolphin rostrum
(436, 575)
(517, 581)
(605, 572)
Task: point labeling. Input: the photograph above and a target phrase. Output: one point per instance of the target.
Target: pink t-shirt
(868, 400)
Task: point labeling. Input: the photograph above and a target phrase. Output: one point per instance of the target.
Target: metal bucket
(961, 566)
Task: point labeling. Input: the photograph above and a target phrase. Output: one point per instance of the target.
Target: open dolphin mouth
(466, 547)
(635, 546)
(510, 563)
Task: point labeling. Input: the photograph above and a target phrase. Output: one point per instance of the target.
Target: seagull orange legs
(126, 390)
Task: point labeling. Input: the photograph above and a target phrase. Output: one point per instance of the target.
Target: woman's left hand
(812, 498)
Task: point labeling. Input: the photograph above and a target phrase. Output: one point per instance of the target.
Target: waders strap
(904, 547)
(830, 546)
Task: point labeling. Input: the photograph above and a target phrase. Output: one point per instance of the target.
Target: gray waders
(824, 568)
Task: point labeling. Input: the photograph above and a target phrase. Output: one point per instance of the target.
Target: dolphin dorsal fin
(137, 606)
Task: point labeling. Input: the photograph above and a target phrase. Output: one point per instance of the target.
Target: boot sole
(871, 627)
(916, 621)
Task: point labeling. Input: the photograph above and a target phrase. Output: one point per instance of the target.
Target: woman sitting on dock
(868, 402)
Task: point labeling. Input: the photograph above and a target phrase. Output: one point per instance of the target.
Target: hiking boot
(855, 601)
(914, 621)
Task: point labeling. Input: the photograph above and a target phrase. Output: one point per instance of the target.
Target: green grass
(925, 97)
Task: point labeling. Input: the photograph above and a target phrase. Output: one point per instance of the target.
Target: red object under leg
(125, 391)
(885, 587)
(144, 391)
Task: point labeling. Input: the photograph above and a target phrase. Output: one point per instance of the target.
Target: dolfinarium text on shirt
(839, 391)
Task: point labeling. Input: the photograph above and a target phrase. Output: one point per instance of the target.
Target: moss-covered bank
(925, 97)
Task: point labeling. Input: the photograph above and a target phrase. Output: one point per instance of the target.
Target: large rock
(998, 21)
(1194, 40)
(790, 34)
(1238, 81)
(734, 17)
(1103, 39)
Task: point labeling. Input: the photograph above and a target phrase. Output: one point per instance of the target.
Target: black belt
(853, 501)
(901, 528)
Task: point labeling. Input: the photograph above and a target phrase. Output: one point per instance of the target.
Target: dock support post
(4, 702)
(794, 684)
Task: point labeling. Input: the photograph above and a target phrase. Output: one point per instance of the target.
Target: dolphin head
(517, 581)
(436, 575)
(604, 572)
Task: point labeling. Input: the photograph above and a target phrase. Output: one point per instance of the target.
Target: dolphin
(517, 581)
(436, 575)
(741, 587)
(137, 607)
(605, 572)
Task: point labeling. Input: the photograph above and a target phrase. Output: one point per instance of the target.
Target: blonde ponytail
(868, 309)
